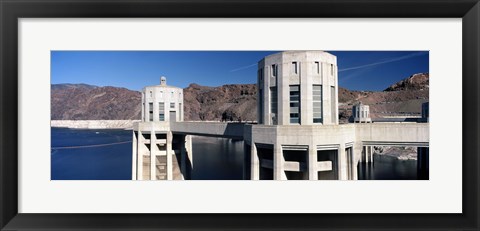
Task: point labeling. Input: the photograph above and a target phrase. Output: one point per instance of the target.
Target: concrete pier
(186, 156)
(278, 163)
(255, 163)
(169, 156)
(134, 155)
(140, 154)
(153, 154)
(312, 163)
(342, 162)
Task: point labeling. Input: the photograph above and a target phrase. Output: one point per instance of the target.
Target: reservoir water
(81, 154)
(112, 162)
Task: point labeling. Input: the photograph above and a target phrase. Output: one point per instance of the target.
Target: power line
(90, 146)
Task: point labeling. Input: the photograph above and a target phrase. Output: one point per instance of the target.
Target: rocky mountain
(71, 86)
(228, 102)
(86, 102)
(415, 82)
(403, 98)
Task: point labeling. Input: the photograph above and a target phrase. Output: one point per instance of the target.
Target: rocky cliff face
(404, 98)
(418, 81)
(228, 102)
(86, 102)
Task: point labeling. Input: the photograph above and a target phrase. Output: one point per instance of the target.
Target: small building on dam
(297, 137)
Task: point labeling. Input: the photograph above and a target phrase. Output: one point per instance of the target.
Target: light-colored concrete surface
(153, 154)
(393, 132)
(324, 166)
(134, 156)
(255, 168)
(312, 163)
(361, 113)
(93, 124)
(278, 73)
(169, 156)
(159, 102)
(216, 129)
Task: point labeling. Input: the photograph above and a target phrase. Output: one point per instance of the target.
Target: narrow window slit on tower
(150, 110)
(161, 111)
(273, 104)
(294, 104)
(317, 103)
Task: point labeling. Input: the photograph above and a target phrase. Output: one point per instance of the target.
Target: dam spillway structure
(297, 135)
(158, 154)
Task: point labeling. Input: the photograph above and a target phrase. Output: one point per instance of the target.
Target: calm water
(95, 163)
(388, 170)
(213, 158)
(114, 162)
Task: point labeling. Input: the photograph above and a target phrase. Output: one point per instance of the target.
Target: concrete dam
(297, 136)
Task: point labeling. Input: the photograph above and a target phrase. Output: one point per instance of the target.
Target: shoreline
(93, 124)
(386, 157)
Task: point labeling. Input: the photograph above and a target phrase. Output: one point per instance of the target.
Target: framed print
(97, 94)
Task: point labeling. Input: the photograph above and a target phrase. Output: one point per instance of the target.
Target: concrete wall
(167, 95)
(393, 132)
(227, 130)
(301, 135)
(149, 126)
(306, 75)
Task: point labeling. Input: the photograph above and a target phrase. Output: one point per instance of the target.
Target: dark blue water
(388, 170)
(112, 162)
(217, 159)
(213, 158)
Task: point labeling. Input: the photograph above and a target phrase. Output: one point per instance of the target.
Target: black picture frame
(12, 10)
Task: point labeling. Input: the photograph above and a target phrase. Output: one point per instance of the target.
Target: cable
(90, 146)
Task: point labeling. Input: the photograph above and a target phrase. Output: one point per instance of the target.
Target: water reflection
(217, 159)
(388, 169)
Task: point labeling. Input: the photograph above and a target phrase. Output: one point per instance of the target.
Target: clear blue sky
(358, 70)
